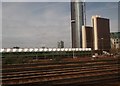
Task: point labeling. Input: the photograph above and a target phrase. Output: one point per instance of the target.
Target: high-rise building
(101, 30)
(87, 37)
(77, 20)
(60, 44)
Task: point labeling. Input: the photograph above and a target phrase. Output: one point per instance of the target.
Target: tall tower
(87, 37)
(101, 30)
(77, 20)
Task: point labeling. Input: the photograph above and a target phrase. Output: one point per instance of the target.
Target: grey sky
(104, 9)
(37, 24)
(58, 0)
(0, 25)
(119, 16)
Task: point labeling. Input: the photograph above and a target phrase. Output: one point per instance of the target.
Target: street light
(73, 52)
(102, 44)
(73, 55)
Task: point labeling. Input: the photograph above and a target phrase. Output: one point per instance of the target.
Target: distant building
(77, 20)
(87, 37)
(115, 40)
(16, 47)
(60, 44)
(101, 30)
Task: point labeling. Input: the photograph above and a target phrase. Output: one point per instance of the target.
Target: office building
(101, 33)
(87, 37)
(60, 44)
(77, 20)
(115, 40)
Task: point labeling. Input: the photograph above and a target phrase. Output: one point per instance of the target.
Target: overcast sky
(37, 24)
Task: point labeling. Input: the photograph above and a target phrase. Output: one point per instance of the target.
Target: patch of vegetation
(15, 60)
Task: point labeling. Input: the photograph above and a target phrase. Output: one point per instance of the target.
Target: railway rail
(85, 72)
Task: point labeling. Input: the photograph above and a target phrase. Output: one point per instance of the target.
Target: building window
(114, 42)
(117, 40)
(114, 46)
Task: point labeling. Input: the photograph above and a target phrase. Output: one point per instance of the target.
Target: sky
(38, 24)
(118, 17)
(58, 0)
(0, 25)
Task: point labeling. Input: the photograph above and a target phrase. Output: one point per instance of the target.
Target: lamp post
(102, 44)
(91, 47)
(73, 54)
(36, 56)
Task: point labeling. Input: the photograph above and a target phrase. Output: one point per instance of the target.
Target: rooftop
(115, 35)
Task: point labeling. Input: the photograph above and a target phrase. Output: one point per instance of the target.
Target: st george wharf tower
(77, 20)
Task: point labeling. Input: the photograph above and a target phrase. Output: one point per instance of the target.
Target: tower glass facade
(77, 20)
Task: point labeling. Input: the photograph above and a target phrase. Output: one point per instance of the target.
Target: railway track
(54, 66)
(60, 74)
(27, 73)
(62, 63)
